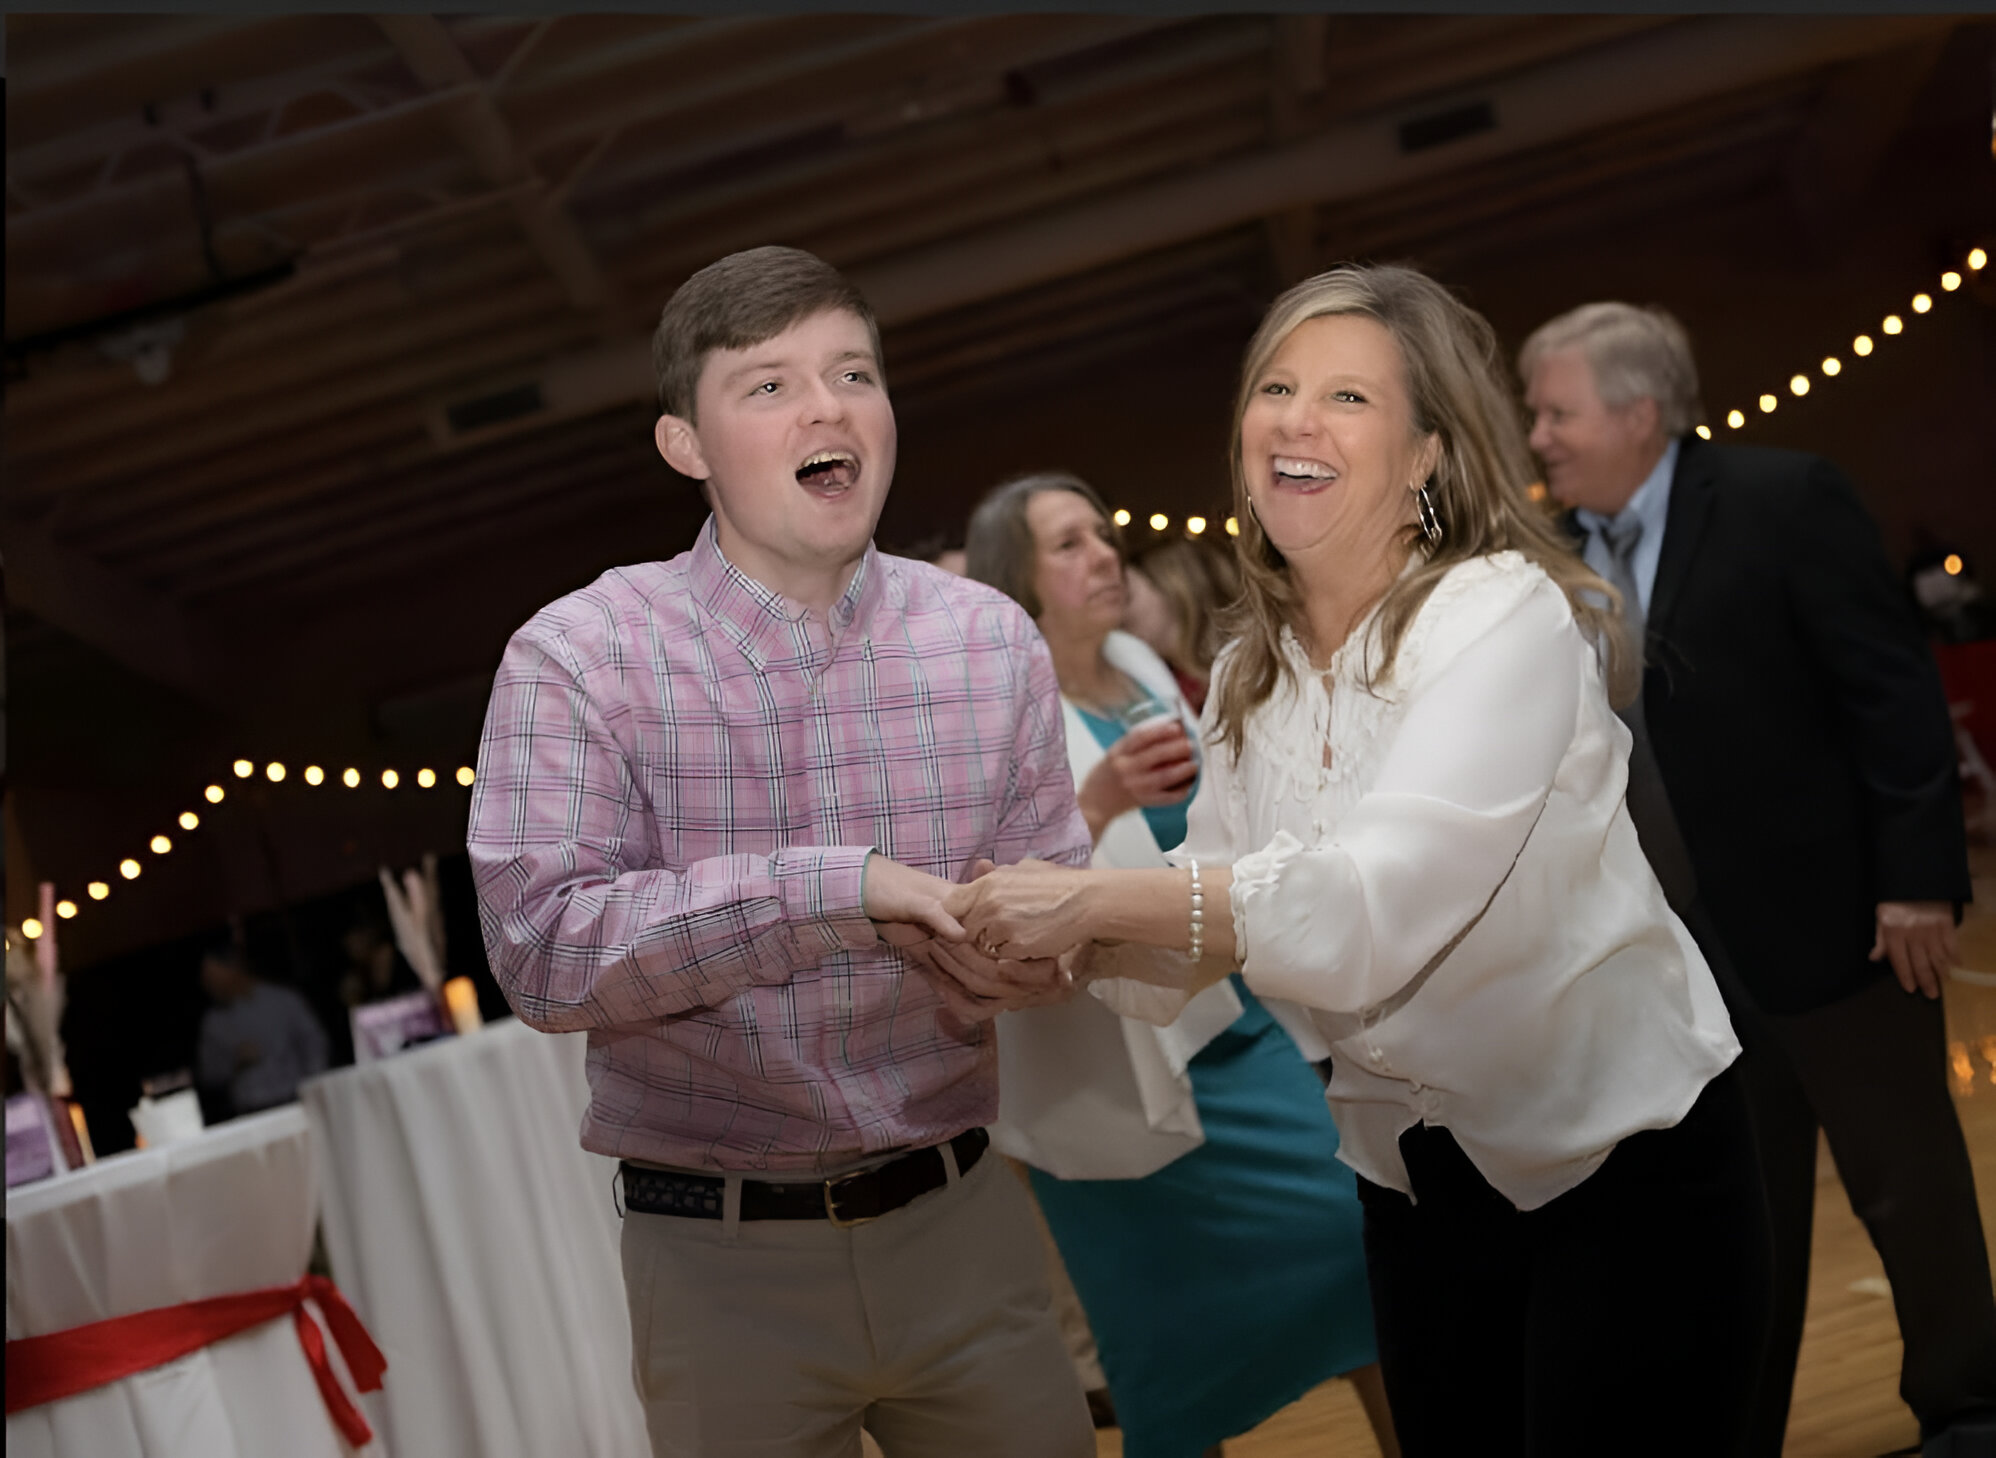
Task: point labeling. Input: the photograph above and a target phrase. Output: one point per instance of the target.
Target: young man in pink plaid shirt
(719, 801)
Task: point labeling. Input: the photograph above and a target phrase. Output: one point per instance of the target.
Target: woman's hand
(1034, 909)
(1150, 766)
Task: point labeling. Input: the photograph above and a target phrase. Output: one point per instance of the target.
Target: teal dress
(1227, 1284)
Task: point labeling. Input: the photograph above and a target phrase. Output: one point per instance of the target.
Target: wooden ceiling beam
(426, 47)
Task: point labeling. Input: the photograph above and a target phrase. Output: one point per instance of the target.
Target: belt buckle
(832, 1201)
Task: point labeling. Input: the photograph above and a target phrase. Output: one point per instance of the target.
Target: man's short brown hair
(740, 301)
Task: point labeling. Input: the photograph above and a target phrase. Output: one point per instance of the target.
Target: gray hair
(998, 545)
(1635, 353)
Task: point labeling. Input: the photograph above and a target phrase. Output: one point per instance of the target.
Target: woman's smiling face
(1328, 446)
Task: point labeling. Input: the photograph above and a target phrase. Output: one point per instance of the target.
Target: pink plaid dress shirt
(679, 783)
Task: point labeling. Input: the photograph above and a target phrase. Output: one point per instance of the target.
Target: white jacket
(1083, 1093)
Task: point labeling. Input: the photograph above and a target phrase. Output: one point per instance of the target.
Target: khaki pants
(930, 1327)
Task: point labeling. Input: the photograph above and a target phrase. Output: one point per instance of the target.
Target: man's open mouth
(829, 470)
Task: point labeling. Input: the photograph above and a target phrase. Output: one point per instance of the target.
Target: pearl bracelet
(1198, 938)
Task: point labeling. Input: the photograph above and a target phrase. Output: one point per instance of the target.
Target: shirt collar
(761, 620)
(1651, 499)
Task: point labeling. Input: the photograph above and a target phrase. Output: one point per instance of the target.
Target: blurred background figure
(1805, 770)
(259, 1041)
(1952, 601)
(1188, 1173)
(943, 549)
(1178, 589)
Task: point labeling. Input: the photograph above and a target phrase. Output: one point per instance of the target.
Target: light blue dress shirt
(1651, 506)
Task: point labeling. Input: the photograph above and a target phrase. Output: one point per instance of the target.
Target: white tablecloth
(228, 1211)
(478, 1242)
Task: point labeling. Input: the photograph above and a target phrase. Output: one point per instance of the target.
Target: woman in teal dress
(1189, 1174)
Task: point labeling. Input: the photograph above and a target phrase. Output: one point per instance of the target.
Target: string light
(426, 777)
(65, 909)
(1159, 521)
(1767, 404)
(1950, 281)
(1952, 564)
(213, 794)
(275, 771)
(1861, 346)
(1893, 324)
(1833, 366)
(1704, 432)
(160, 845)
(129, 869)
(465, 775)
(98, 890)
(314, 775)
(189, 820)
(1976, 258)
(1195, 524)
(389, 779)
(1122, 518)
(1800, 385)
(1233, 526)
(31, 929)
(1922, 303)
(351, 779)
(1735, 419)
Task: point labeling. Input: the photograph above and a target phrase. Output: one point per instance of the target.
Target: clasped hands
(1015, 937)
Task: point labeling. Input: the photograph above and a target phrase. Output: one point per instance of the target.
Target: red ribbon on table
(64, 1363)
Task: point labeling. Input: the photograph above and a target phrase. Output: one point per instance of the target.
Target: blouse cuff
(1256, 875)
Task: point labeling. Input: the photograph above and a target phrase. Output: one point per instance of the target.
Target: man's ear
(679, 443)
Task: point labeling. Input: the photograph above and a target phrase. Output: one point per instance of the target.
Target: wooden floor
(1846, 1390)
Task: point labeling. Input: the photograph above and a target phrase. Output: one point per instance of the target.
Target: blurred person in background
(1178, 591)
(1806, 789)
(259, 1041)
(1188, 1172)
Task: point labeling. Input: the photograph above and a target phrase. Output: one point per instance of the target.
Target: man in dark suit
(1794, 780)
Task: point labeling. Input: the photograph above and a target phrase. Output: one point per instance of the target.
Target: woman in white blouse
(1411, 841)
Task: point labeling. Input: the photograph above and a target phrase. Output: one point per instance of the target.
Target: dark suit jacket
(1798, 721)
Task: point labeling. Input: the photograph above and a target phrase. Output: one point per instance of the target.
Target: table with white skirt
(228, 1211)
(479, 1243)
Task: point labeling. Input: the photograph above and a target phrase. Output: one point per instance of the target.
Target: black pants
(1872, 1069)
(1628, 1316)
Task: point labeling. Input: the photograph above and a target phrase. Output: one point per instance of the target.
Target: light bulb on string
(1833, 366)
(1233, 526)
(275, 772)
(1767, 404)
(1952, 564)
(1735, 418)
(1159, 521)
(189, 820)
(1893, 324)
(1861, 346)
(465, 775)
(98, 890)
(1800, 385)
(1976, 258)
(31, 928)
(351, 779)
(65, 909)
(213, 794)
(1195, 524)
(1122, 517)
(129, 869)
(314, 775)
(426, 778)
(389, 779)
(1922, 303)
(1950, 281)
(160, 845)
(244, 769)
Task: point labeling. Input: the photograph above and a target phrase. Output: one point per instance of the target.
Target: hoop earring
(1431, 524)
(1252, 512)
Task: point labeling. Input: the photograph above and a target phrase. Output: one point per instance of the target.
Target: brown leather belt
(845, 1200)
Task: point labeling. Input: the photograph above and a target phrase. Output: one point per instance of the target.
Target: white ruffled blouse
(1453, 900)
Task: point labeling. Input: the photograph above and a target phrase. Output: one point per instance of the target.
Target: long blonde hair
(1479, 483)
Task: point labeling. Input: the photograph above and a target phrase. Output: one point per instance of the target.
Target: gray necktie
(1649, 802)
